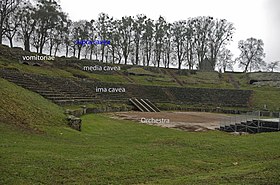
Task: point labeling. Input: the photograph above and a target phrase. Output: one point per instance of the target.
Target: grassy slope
(54, 72)
(266, 96)
(261, 96)
(110, 151)
(27, 109)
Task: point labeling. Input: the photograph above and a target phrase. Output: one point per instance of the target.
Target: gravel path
(189, 121)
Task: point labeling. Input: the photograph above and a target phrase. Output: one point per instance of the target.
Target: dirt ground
(188, 121)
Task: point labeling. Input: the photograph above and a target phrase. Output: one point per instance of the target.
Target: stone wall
(74, 122)
(78, 91)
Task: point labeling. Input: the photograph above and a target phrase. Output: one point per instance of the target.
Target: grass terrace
(110, 151)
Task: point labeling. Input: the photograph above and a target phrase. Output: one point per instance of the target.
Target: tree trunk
(113, 54)
(11, 42)
(55, 50)
(91, 52)
(1, 34)
(179, 58)
(106, 56)
(179, 64)
(137, 54)
(125, 59)
(148, 59)
(26, 43)
(96, 56)
(41, 49)
(125, 55)
(102, 52)
(120, 59)
(158, 60)
(168, 59)
(74, 51)
(51, 47)
(79, 52)
(67, 50)
(246, 67)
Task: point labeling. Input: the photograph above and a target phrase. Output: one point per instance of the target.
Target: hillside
(109, 151)
(37, 146)
(26, 109)
(72, 71)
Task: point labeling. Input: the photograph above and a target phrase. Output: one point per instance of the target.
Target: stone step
(77, 93)
(39, 89)
(22, 81)
(54, 96)
(51, 94)
(34, 86)
(44, 91)
(63, 102)
(59, 98)
(70, 98)
(15, 77)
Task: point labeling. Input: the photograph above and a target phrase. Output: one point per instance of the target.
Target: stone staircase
(252, 126)
(65, 91)
(144, 105)
(59, 90)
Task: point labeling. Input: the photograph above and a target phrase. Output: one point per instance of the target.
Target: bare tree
(7, 7)
(201, 27)
(48, 16)
(67, 37)
(167, 47)
(190, 45)
(220, 34)
(273, 65)
(80, 33)
(102, 27)
(252, 54)
(125, 31)
(12, 26)
(138, 28)
(27, 24)
(224, 60)
(135, 40)
(161, 28)
(114, 47)
(147, 41)
(179, 33)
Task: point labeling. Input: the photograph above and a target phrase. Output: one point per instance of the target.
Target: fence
(253, 122)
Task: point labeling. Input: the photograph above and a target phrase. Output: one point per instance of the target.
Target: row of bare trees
(198, 42)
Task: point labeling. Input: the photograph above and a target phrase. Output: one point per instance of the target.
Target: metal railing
(249, 122)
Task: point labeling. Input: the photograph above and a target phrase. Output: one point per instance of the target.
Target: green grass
(266, 96)
(154, 81)
(205, 80)
(49, 71)
(262, 95)
(242, 79)
(109, 78)
(27, 109)
(184, 107)
(109, 151)
(141, 71)
(101, 107)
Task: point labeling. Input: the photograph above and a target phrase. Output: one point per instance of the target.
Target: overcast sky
(251, 18)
